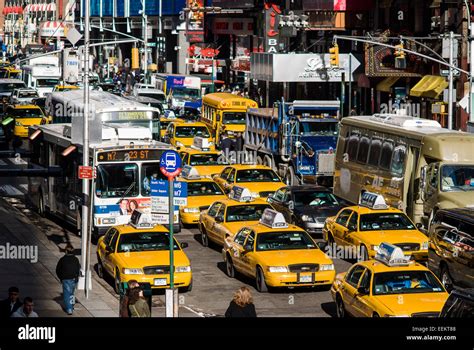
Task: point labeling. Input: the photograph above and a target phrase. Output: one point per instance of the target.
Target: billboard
(195, 22)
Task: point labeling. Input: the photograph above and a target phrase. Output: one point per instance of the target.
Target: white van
(43, 78)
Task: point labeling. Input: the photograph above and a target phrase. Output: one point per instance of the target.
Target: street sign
(86, 172)
(445, 73)
(152, 44)
(160, 190)
(142, 50)
(170, 164)
(73, 36)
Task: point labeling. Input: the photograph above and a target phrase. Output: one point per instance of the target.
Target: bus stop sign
(170, 164)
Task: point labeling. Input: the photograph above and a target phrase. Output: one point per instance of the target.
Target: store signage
(272, 33)
(195, 22)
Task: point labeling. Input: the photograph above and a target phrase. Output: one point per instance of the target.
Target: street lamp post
(145, 38)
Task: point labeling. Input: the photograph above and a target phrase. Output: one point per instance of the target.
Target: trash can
(147, 293)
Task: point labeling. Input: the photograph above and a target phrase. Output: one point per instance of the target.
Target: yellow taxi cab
(202, 192)
(65, 88)
(389, 286)
(24, 115)
(140, 251)
(165, 120)
(226, 217)
(372, 222)
(205, 161)
(261, 180)
(181, 134)
(276, 254)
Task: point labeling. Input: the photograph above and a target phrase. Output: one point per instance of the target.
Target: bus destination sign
(129, 155)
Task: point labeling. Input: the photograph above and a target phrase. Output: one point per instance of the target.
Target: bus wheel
(41, 209)
(290, 177)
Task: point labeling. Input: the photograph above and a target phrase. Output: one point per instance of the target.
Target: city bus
(417, 165)
(106, 108)
(224, 112)
(124, 167)
(181, 90)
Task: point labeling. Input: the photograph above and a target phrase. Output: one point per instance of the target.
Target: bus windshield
(319, 128)
(234, 118)
(287, 240)
(47, 82)
(457, 178)
(406, 282)
(145, 241)
(186, 93)
(385, 221)
(114, 180)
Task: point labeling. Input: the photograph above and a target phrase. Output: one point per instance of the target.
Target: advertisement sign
(234, 4)
(272, 33)
(195, 22)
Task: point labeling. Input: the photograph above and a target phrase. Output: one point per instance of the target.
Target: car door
(108, 257)
(277, 202)
(101, 248)
(230, 180)
(362, 303)
(218, 230)
(340, 226)
(351, 230)
(464, 256)
(248, 255)
(209, 219)
(349, 288)
(237, 248)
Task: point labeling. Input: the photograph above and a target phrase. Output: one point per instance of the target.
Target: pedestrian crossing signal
(334, 55)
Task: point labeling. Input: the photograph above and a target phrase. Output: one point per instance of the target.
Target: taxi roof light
(273, 219)
(241, 194)
(372, 201)
(190, 173)
(141, 220)
(391, 255)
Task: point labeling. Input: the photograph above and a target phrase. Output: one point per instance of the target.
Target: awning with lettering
(386, 84)
(429, 86)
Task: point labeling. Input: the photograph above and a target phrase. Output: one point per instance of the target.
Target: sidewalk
(38, 280)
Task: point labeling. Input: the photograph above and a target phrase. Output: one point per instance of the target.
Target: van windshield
(457, 178)
(47, 82)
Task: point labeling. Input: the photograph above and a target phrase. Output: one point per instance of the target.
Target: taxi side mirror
(184, 245)
(419, 225)
(219, 218)
(108, 249)
(363, 291)
(248, 248)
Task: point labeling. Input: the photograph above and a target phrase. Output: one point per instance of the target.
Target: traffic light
(135, 59)
(334, 55)
(400, 59)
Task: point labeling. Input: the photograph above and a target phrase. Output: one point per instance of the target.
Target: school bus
(10, 72)
(417, 165)
(223, 112)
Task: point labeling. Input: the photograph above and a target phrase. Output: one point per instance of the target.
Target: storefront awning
(386, 84)
(429, 86)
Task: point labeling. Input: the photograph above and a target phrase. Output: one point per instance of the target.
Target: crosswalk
(8, 186)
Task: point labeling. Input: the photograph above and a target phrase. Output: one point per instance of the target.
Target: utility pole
(471, 70)
(145, 37)
(85, 273)
(451, 77)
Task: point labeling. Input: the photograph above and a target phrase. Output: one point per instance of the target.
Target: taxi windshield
(234, 118)
(385, 221)
(144, 241)
(207, 188)
(206, 159)
(250, 212)
(314, 199)
(192, 131)
(288, 240)
(405, 282)
(457, 178)
(25, 113)
(257, 175)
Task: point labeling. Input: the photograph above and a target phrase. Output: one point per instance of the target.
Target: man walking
(67, 270)
(11, 304)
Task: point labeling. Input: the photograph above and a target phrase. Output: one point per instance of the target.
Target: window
(375, 148)
(352, 225)
(192, 131)
(279, 195)
(352, 146)
(113, 242)
(240, 238)
(231, 177)
(366, 280)
(251, 240)
(185, 157)
(117, 180)
(343, 217)
(150, 171)
(364, 145)
(398, 159)
(248, 212)
(108, 236)
(386, 157)
(234, 118)
(354, 275)
(213, 209)
(433, 177)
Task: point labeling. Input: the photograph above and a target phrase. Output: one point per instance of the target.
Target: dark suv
(459, 304)
(451, 250)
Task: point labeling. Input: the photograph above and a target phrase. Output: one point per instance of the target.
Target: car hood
(261, 186)
(201, 201)
(297, 256)
(392, 236)
(412, 303)
(313, 211)
(234, 227)
(152, 258)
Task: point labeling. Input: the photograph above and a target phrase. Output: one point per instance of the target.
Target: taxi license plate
(305, 279)
(159, 282)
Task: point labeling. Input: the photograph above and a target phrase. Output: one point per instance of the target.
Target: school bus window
(398, 159)
(364, 145)
(387, 150)
(352, 146)
(374, 154)
(342, 218)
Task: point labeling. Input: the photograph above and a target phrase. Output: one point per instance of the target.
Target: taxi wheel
(376, 315)
(229, 267)
(364, 255)
(340, 310)
(117, 282)
(446, 279)
(204, 238)
(260, 281)
(100, 268)
(188, 288)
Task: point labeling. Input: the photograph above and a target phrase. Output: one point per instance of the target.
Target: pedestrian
(26, 310)
(11, 304)
(242, 304)
(226, 143)
(67, 270)
(137, 304)
(238, 142)
(124, 311)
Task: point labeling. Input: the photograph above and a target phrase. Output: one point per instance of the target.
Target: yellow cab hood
(199, 201)
(235, 226)
(391, 236)
(29, 121)
(407, 304)
(207, 170)
(296, 256)
(261, 186)
(152, 258)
